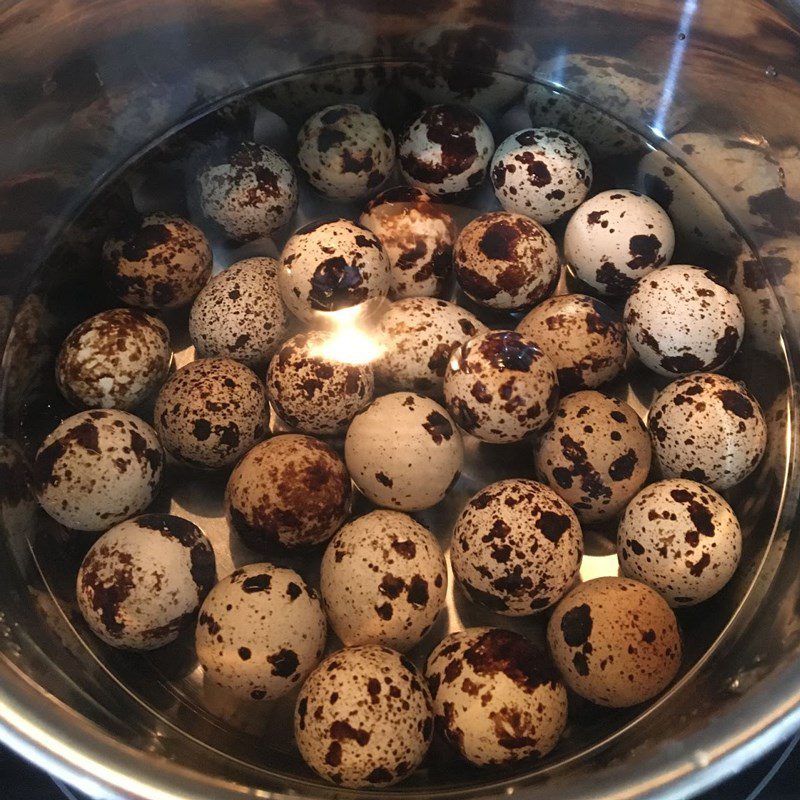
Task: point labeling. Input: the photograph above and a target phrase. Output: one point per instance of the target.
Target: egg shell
(249, 193)
(115, 359)
(506, 261)
(417, 336)
(289, 491)
(616, 238)
(98, 468)
(595, 453)
(327, 266)
(404, 452)
(517, 547)
(363, 717)
(446, 150)
(210, 412)
(615, 641)
(541, 172)
(707, 428)
(161, 262)
(681, 539)
(583, 337)
(312, 389)
(500, 387)
(240, 314)
(418, 235)
(383, 581)
(679, 319)
(142, 581)
(497, 698)
(260, 632)
(345, 152)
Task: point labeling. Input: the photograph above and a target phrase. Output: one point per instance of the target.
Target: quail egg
(506, 261)
(142, 581)
(363, 717)
(98, 468)
(404, 452)
(260, 632)
(615, 641)
(497, 698)
(595, 453)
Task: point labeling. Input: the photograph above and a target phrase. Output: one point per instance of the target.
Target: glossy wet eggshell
(583, 337)
(260, 632)
(115, 359)
(497, 698)
(142, 581)
(404, 452)
(707, 428)
(210, 412)
(616, 238)
(97, 468)
(541, 172)
(506, 261)
(517, 547)
(363, 717)
(500, 387)
(679, 320)
(595, 453)
(615, 641)
(383, 581)
(681, 539)
(289, 491)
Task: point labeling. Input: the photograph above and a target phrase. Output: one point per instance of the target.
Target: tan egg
(383, 581)
(162, 262)
(289, 491)
(595, 453)
(497, 698)
(115, 359)
(582, 336)
(363, 718)
(615, 641)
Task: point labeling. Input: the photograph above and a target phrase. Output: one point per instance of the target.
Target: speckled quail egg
(416, 336)
(680, 320)
(345, 152)
(142, 581)
(404, 452)
(418, 235)
(616, 238)
(363, 717)
(327, 266)
(97, 468)
(446, 150)
(240, 314)
(115, 359)
(681, 539)
(506, 261)
(260, 632)
(595, 453)
(289, 491)
(615, 641)
(497, 698)
(161, 262)
(312, 389)
(210, 412)
(383, 580)
(517, 547)
(582, 336)
(250, 192)
(707, 428)
(541, 172)
(500, 387)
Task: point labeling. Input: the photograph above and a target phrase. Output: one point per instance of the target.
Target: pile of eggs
(390, 431)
